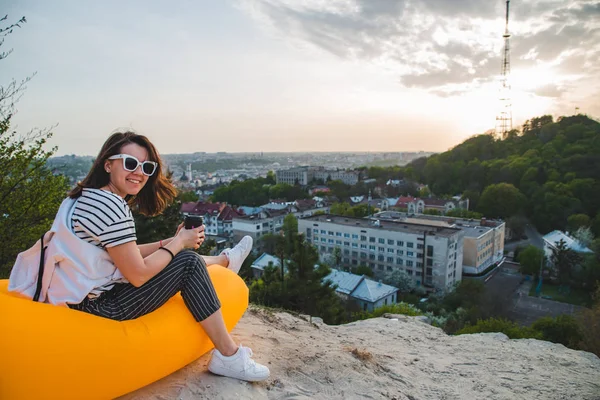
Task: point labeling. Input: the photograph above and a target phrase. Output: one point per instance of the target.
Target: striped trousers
(186, 273)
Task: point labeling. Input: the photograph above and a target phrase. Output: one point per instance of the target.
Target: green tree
(563, 329)
(337, 257)
(531, 259)
(29, 193)
(401, 280)
(564, 261)
(577, 221)
(501, 200)
(363, 270)
(188, 196)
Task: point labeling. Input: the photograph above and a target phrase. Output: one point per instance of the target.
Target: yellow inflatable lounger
(50, 352)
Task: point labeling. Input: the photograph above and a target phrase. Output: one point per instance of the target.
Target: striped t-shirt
(103, 219)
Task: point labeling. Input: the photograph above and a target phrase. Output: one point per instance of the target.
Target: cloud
(439, 45)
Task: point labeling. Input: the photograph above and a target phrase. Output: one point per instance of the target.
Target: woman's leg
(232, 258)
(221, 260)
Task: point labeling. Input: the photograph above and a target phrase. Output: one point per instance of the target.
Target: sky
(295, 75)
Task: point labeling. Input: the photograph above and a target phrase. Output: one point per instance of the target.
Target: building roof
(372, 291)
(345, 281)
(264, 260)
(555, 237)
(399, 226)
(359, 286)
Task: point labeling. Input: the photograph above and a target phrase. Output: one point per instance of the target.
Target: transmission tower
(504, 118)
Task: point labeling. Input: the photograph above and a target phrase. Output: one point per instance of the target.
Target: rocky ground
(397, 357)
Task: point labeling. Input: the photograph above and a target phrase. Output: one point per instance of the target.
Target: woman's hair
(157, 193)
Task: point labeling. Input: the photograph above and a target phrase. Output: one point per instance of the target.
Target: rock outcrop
(397, 357)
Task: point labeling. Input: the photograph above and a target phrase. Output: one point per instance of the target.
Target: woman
(128, 172)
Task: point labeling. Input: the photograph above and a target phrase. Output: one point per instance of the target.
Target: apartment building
(431, 255)
(483, 239)
(303, 175)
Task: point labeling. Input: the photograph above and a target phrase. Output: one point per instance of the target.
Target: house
(218, 217)
(265, 259)
(552, 239)
(367, 294)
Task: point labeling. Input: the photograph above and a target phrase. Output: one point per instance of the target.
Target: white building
(365, 292)
(483, 243)
(431, 255)
(303, 175)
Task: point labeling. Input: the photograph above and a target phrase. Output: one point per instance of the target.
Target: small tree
(564, 260)
(531, 259)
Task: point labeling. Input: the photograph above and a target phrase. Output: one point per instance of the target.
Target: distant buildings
(218, 217)
(269, 217)
(431, 255)
(416, 205)
(304, 175)
(483, 239)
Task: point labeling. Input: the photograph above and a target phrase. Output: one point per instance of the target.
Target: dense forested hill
(555, 167)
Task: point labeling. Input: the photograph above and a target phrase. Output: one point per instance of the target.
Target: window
(410, 244)
(390, 259)
(381, 249)
(347, 244)
(372, 248)
(429, 271)
(323, 240)
(409, 263)
(354, 262)
(429, 262)
(409, 272)
(346, 235)
(381, 240)
(354, 236)
(410, 254)
(330, 241)
(390, 242)
(363, 255)
(429, 251)
(371, 256)
(338, 242)
(355, 245)
(380, 258)
(389, 269)
(400, 252)
(400, 243)
(346, 260)
(372, 265)
(390, 251)
(419, 245)
(323, 232)
(419, 264)
(399, 261)
(346, 251)
(419, 255)
(363, 238)
(330, 233)
(315, 230)
(338, 234)
(372, 239)
(363, 246)
(323, 248)
(355, 254)
(380, 267)
(418, 273)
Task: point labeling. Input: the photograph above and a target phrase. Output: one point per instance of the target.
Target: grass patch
(576, 296)
(362, 355)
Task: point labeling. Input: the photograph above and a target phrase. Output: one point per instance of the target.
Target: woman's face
(125, 182)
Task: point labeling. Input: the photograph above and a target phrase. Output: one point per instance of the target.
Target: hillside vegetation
(554, 167)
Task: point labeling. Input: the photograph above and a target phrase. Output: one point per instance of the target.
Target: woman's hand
(191, 238)
(180, 227)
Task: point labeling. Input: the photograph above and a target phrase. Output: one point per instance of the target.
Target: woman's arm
(139, 270)
(149, 248)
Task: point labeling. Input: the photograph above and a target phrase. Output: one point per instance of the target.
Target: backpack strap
(38, 289)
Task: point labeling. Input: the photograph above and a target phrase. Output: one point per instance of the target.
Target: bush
(589, 322)
(398, 308)
(563, 329)
(509, 328)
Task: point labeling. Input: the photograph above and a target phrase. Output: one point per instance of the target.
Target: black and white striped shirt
(104, 219)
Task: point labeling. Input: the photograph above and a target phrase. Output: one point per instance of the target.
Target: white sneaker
(238, 254)
(238, 366)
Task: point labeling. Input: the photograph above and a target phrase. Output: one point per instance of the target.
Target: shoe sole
(253, 379)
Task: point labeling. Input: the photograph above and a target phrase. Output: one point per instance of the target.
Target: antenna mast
(504, 119)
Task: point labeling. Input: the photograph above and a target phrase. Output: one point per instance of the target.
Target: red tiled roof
(201, 208)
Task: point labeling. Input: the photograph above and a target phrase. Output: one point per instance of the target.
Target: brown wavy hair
(157, 193)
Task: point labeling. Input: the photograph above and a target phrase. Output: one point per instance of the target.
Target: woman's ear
(107, 166)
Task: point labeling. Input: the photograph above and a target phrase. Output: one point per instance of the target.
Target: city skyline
(289, 76)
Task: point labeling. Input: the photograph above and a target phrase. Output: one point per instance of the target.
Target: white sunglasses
(130, 163)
